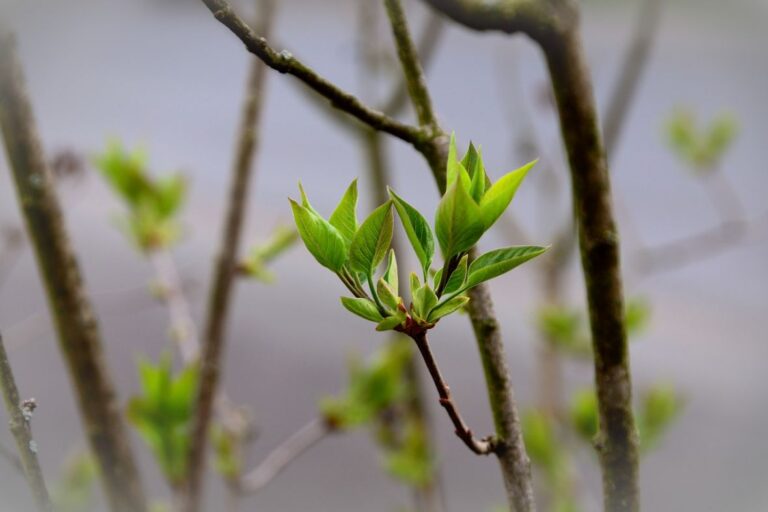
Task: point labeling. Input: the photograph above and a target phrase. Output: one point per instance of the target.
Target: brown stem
(483, 446)
(20, 415)
(284, 62)
(76, 325)
(224, 274)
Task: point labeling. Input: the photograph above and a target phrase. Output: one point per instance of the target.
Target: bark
(76, 326)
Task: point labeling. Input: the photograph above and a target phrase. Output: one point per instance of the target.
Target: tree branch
(284, 62)
(224, 273)
(20, 415)
(76, 325)
(483, 446)
(598, 239)
(293, 447)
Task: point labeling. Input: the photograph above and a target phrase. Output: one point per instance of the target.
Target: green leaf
(424, 300)
(391, 322)
(473, 163)
(660, 406)
(495, 263)
(583, 412)
(390, 274)
(386, 295)
(364, 308)
(458, 277)
(417, 229)
(372, 240)
(458, 223)
(447, 307)
(498, 197)
(454, 168)
(540, 439)
(322, 240)
(344, 217)
(414, 283)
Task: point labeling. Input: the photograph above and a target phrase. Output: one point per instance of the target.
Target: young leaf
(447, 307)
(386, 295)
(423, 301)
(322, 240)
(372, 240)
(458, 223)
(344, 217)
(417, 229)
(498, 197)
(495, 263)
(391, 322)
(454, 168)
(458, 277)
(390, 275)
(415, 283)
(473, 162)
(364, 308)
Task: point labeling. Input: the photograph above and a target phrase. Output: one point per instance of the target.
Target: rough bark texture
(599, 244)
(76, 325)
(19, 416)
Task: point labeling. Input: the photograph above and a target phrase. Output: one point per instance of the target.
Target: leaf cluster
(256, 263)
(374, 387)
(153, 203)
(354, 251)
(701, 148)
(162, 413)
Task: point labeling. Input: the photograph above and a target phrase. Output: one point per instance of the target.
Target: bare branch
(284, 62)
(483, 446)
(224, 273)
(632, 67)
(20, 415)
(292, 448)
(183, 328)
(699, 246)
(77, 329)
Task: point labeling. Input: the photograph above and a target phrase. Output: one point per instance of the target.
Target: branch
(224, 273)
(293, 447)
(76, 326)
(483, 446)
(507, 16)
(632, 67)
(20, 415)
(598, 238)
(699, 246)
(183, 329)
(284, 62)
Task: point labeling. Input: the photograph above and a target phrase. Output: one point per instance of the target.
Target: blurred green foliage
(163, 412)
(75, 488)
(255, 264)
(153, 204)
(699, 147)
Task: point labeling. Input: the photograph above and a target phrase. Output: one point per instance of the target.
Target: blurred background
(165, 76)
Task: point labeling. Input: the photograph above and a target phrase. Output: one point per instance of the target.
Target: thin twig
(284, 62)
(483, 446)
(699, 246)
(225, 266)
(293, 447)
(183, 328)
(20, 415)
(76, 325)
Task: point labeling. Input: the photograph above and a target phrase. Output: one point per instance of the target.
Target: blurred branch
(225, 265)
(632, 66)
(183, 329)
(77, 329)
(20, 416)
(279, 458)
(284, 62)
(699, 246)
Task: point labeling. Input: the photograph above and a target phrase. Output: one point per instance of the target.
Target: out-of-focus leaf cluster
(153, 203)
(701, 148)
